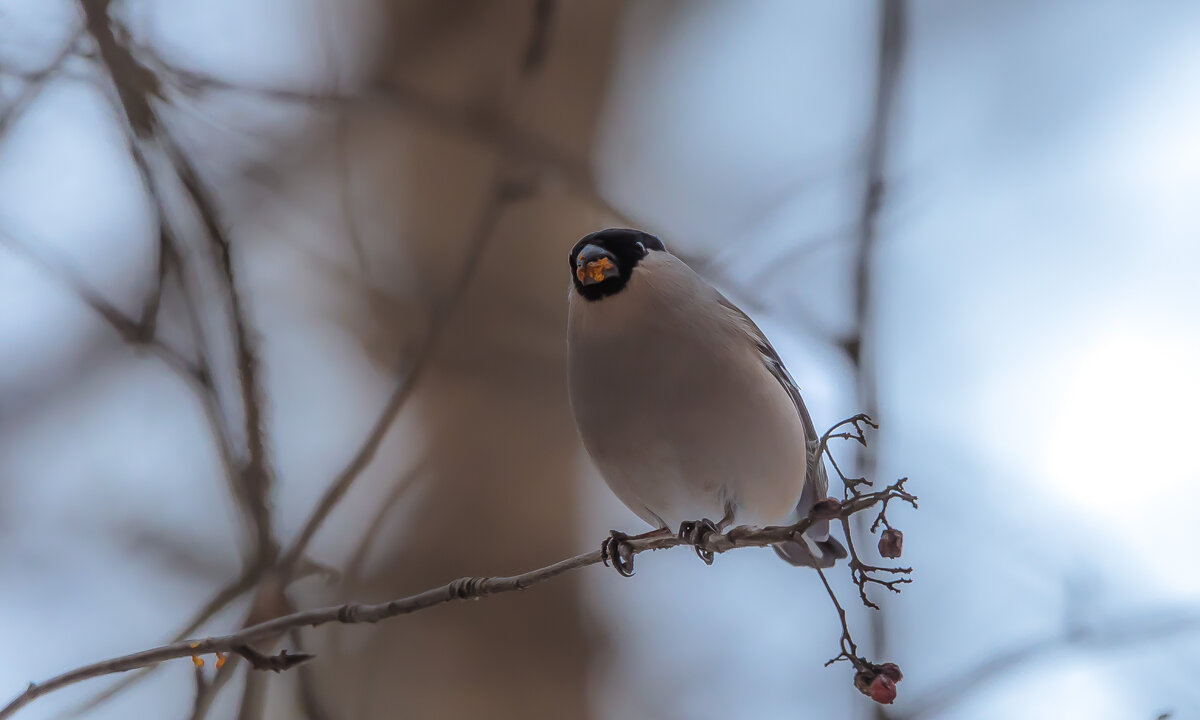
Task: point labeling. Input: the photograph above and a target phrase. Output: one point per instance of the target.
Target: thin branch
(537, 47)
(1145, 626)
(503, 193)
(136, 84)
(465, 588)
(490, 128)
(345, 190)
(219, 601)
(358, 558)
(859, 347)
(306, 684)
(256, 473)
(137, 87)
(35, 82)
(133, 332)
(201, 691)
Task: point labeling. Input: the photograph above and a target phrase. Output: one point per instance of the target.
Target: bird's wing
(822, 551)
(773, 363)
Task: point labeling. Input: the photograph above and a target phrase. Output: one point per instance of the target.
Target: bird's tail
(811, 553)
(816, 548)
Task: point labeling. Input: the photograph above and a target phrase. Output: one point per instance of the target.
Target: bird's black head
(601, 263)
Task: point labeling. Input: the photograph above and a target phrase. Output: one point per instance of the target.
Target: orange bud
(197, 661)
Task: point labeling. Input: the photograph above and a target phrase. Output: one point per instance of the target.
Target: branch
(465, 588)
(487, 127)
(136, 333)
(860, 346)
(35, 82)
(503, 192)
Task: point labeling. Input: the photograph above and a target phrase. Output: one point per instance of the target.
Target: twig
(859, 347)
(306, 684)
(511, 142)
(35, 82)
(461, 589)
(1144, 626)
(537, 47)
(133, 332)
(358, 558)
(234, 590)
(201, 691)
(255, 474)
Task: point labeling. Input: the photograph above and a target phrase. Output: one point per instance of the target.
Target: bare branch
(35, 82)
(219, 601)
(537, 47)
(306, 684)
(503, 192)
(137, 86)
(133, 332)
(1140, 627)
(891, 44)
(486, 126)
(359, 557)
(461, 589)
(201, 691)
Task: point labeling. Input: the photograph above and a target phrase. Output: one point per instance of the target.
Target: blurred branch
(306, 684)
(1145, 626)
(255, 474)
(504, 191)
(359, 557)
(859, 346)
(138, 333)
(231, 592)
(135, 83)
(201, 690)
(537, 48)
(480, 124)
(35, 82)
(137, 86)
(623, 551)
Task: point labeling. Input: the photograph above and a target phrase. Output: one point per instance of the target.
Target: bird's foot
(696, 533)
(616, 548)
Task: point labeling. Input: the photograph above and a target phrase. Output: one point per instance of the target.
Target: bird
(683, 405)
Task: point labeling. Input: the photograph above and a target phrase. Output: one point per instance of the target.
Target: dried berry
(891, 542)
(883, 690)
(862, 681)
(892, 671)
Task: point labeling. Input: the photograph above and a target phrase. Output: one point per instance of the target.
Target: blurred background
(282, 309)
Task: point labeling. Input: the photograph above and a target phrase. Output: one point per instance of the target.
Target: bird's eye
(641, 248)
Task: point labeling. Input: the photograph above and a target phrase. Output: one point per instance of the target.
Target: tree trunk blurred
(499, 493)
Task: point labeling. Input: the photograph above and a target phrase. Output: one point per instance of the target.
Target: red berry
(891, 542)
(883, 690)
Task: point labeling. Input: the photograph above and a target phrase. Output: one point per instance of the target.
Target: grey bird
(683, 405)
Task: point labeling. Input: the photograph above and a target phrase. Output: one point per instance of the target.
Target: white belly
(679, 430)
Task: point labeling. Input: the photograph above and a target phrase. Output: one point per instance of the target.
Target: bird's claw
(616, 548)
(696, 533)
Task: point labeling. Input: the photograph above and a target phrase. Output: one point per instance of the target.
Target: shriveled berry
(891, 542)
(862, 681)
(891, 670)
(883, 690)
